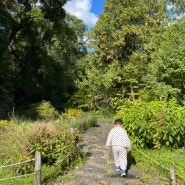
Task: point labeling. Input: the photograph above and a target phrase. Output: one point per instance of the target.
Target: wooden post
(76, 143)
(72, 131)
(173, 176)
(37, 168)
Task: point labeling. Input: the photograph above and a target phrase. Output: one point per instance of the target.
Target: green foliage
(40, 44)
(43, 110)
(54, 143)
(46, 111)
(155, 90)
(120, 58)
(105, 113)
(166, 72)
(154, 124)
(55, 139)
(3, 124)
(94, 82)
(122, 33)
(20, 142)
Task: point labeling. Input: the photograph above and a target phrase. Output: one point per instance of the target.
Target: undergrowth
(20, 139)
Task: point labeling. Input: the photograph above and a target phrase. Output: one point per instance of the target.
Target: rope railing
(17, 163)
(34, 159)
(162, 166)
(9, 178)
(37, 160)
(19, 176)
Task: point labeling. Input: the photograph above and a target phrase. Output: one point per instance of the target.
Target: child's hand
(129, 149)
(107, 147)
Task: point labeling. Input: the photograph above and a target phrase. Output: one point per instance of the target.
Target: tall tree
(168, 62)
(120, 38)
(38, 44)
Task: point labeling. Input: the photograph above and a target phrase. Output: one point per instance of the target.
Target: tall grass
(20, 138)
(12, 142)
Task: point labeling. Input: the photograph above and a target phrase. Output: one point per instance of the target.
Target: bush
(3, 123)
(73, 112)
(154, 124)
(20, 143)
(46, 111)
(51, 141)
(105, 112)
(43, 110)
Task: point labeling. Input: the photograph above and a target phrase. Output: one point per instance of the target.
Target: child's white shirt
(118, 137)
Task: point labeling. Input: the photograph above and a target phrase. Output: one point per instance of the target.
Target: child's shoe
(123, 173)
(117, 168)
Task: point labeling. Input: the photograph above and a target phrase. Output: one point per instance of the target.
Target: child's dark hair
(118, 122)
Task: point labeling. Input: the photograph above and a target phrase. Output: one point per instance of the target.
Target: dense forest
(135, 51)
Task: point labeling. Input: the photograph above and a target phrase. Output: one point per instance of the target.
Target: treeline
(138, 52)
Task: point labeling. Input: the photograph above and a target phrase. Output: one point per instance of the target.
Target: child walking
(120, 143)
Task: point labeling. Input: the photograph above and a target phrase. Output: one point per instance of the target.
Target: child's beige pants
(120, 156)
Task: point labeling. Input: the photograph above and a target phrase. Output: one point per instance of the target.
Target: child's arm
(107, 147)
(128, 143)
(109, 140)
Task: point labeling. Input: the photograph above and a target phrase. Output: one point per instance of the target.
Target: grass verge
(154, 165)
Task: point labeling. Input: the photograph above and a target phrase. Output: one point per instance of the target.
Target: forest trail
(99, 168)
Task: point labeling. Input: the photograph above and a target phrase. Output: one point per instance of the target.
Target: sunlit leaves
(169, 56)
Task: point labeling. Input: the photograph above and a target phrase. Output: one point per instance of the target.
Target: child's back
(120, 143)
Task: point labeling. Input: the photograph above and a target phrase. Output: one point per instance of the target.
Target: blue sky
(87, 10)
(97, 6)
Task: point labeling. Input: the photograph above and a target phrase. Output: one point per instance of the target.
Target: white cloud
(82, 10)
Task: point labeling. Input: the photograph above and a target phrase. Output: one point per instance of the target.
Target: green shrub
(46, 111)
(51, 141)
(3, 124)
(154, 124)
(20, 143)
(105, 112)
(43, 110)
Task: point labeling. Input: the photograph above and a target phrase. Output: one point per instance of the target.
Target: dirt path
(99, 168)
